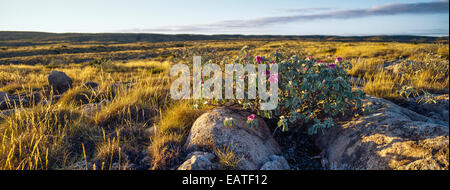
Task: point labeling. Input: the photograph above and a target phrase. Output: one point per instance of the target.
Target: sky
(274, 17)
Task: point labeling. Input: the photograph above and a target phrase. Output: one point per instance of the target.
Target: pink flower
(319, 61)
(243, 77)
(339, 59)
(309, 58)
(272, 62)
(213, 50)
(332, 66)
(304, 69)
(273, 78)
(258, 59)
(251, 117)
(267, 72)
(201, 82)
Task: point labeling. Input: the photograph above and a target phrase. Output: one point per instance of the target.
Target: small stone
(59, 81)
(276, 163)
(198, 161)
(91, 84)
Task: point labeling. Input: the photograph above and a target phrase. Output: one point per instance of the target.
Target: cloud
(303, 10)
(437, 7)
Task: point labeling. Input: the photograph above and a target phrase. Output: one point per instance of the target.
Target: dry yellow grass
(171, 132)
(62, 135)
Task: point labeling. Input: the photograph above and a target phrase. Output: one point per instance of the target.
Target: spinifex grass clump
(309, 90)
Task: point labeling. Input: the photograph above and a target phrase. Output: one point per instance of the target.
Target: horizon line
(237, 34)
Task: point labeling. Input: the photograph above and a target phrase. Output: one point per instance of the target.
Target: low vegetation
(129, 120)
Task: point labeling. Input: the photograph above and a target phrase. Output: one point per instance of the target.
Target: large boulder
(253, 146)
(390, 137)
(59, 81)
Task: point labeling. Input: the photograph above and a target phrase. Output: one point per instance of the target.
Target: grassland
(130, 121)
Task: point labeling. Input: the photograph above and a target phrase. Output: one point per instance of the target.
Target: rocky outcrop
(59, 81)
(390, 137)
(253, 146)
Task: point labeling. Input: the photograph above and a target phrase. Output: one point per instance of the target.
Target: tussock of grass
(77, 96)
(383, 85)
(109, 152)
(42, 138)
(140, 105)
(17, 88)
(171, 133)
(227, 158)
(362, 66)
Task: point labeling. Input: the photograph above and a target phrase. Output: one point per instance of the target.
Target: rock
(18, 101)
(3, 95)
(437, 111)
(276, 163)
(6, 113)
(82, 165)
(35, 98)
(198, 161)
(440, 107)
(123, 85)
(13, 103)
(144, 163)
(59, 81)
(5, 101)
(92, 108)
(445, 115)
(92, 85)
(392, 137)
(150, 132)
(252, 145)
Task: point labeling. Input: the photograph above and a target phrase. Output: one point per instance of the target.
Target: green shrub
(310, 91)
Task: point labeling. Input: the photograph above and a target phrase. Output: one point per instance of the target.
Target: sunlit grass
(133, 96)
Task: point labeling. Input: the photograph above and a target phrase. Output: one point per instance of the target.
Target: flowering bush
(309, 90)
